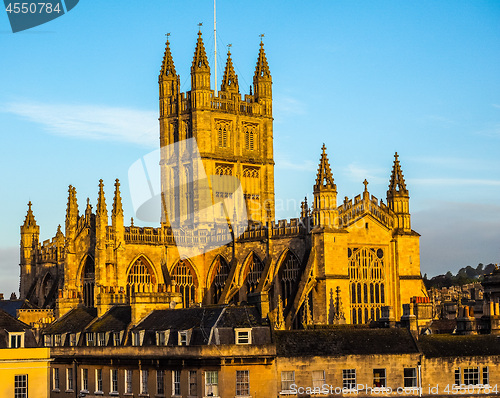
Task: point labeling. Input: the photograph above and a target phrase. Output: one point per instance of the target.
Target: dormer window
(136, 339)
(57, 340)
(116, 339)
(243, 335)
(72, 339)
(162, 338)
(47, 340)
(101, 339)
(90, 339)
(16, 340)
(183, 337)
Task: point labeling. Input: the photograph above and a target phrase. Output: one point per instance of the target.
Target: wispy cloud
(91, 122)
(284, 162)
(496, 106)
(453, 181)
(492, 132)
(285, 105)
(356, 172)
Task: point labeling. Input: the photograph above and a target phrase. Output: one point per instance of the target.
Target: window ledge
(70, 390)
(99, 392)
(56, 390)
(114, 393)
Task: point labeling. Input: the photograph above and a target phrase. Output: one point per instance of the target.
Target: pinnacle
(262, 68)
(397, 182)
(200, 60)
(167, 65)
(30, 218)
(230, 79)
(117, 200)
(324, 176)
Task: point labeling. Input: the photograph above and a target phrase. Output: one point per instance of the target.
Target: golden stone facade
(336, 263)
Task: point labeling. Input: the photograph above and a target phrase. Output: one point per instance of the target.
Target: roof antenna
(215, 51)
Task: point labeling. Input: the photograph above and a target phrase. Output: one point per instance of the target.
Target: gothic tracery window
(219, 281)
(255, 269)
(140, 273)
(367, 279)
(186, 283)
(288, 275)
(88, 282)
(223, 129)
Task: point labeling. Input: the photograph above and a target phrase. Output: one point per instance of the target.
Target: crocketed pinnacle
(72, 208)
(117, 201)
(30, 218)
(167, 65)
(324, 178)
(200, 60)
(397, 183)
(262, 68)
(101, 201)
(230, 79)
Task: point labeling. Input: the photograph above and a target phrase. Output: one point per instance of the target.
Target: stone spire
(230, 79)
(167, 66)
(398, 198)
(324, 177)
(397, 182)
(262, 68)
(200, 70)
(117, 201)
(101, 209)
(29, 221)
(325, 194)
(71, 212)
(262, 82)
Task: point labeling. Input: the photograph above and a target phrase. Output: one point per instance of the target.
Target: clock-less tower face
(234, 137)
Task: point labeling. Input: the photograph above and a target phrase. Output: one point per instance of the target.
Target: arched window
(288, 274)
(255, 269)
(366, 269)
(140, 273)
(353, 293)
(185, 281)
(88, 282)
(219, 281)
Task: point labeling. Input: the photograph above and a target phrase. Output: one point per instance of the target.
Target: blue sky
(79, 100)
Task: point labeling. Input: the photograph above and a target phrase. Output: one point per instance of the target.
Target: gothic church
(336, 263)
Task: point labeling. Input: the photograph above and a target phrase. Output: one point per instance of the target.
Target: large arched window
(288, 275)
(140, 275)
(366, 274)
(185, 280)
(255, 268)
(219, 281)
(88, 282)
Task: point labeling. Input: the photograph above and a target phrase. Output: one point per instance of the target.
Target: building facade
(339, 262)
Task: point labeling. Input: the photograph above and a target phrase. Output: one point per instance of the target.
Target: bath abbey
(341, 261)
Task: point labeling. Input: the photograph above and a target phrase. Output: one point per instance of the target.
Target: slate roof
(459, 346)
(344, 341)
(116, 319)
(201, 317)
(11, 306)
(73, 322)
(11, 324)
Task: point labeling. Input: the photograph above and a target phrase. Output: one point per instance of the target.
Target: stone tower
(30, 233)
(325, 194)
(234, 137)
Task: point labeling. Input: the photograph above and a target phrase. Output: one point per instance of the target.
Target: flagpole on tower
(215, 52)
